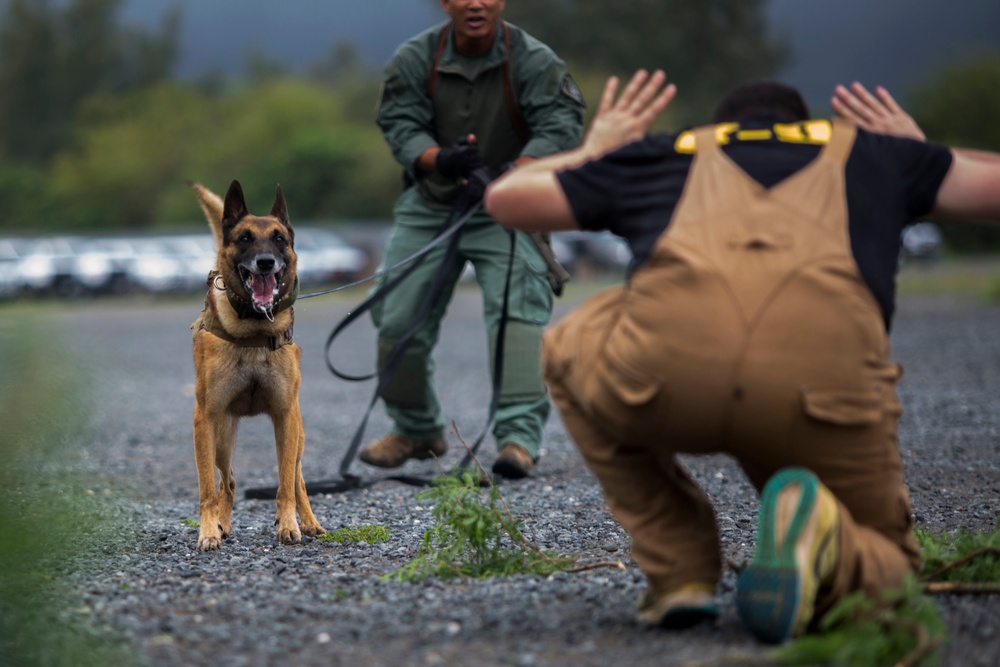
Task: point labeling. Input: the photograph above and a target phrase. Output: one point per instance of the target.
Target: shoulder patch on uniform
(378, 102)
(572, 91)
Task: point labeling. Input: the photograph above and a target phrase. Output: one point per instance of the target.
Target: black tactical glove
(458, 161)
(481, 178)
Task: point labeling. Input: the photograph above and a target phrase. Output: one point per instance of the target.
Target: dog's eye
(280, 239)
(245, 239)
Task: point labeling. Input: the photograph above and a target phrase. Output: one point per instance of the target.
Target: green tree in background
(53, 56)
(960, 106)
(134, 153)
(705, 47)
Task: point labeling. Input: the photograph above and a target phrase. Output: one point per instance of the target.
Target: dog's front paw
(289, 535)
(209, 543)
(313, 530)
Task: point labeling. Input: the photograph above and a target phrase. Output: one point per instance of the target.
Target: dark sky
(891, 42)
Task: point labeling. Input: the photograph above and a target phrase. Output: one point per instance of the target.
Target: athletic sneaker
(798, 545)
(679, 608)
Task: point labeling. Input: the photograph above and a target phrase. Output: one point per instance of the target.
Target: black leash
(462, 213)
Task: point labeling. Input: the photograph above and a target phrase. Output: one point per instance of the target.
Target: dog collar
(244, 307)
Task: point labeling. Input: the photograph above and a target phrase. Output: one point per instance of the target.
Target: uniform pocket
(843, 407)
(531, 297)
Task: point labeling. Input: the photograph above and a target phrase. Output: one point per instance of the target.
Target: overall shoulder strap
(510, 98)
(841, 141)
(508, 89)
(705, 140)
(432, 78)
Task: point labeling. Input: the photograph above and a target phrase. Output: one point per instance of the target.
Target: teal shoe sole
(768, 589)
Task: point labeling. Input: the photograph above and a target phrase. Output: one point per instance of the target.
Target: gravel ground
(255, 602)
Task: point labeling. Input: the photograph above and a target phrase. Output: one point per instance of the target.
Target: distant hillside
(896, 43)
(892, 42)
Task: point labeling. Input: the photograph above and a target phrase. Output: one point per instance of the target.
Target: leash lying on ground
(466, 207)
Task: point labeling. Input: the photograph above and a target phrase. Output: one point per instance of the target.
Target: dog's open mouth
(262, 288)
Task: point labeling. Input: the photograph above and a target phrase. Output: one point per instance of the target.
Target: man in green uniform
(473, 92)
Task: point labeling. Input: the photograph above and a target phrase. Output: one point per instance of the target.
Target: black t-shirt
(890, 182)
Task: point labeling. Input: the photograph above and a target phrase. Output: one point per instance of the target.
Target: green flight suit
(417, 111)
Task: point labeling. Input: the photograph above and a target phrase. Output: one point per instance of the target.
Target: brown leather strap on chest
(508, 88)
(209, 323)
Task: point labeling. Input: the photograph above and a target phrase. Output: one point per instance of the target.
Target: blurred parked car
(47, 266)
(157, 268)
(196, 257)
(922, 240)
(102, 265)
(324, 257)
(591, 253)
(10, 283)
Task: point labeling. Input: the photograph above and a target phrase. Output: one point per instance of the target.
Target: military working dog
(246, 363)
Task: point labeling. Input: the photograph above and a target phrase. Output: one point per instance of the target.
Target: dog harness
(244, 310)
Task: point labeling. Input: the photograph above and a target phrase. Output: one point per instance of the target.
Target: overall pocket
(843, 407)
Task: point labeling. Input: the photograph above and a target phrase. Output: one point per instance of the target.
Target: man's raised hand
(627, 119)
(875, 113)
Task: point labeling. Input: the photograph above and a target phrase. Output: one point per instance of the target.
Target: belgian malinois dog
(246, 363)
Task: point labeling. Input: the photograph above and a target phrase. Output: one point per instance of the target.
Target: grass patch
(51, 522)
(475, 535)
(993, 292)
(964, 557)
(357, 534)
(977, 277)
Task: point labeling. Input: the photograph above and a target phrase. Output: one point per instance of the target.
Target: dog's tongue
(263, 287)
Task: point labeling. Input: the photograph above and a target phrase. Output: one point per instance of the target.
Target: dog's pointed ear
(234, 209)
(280, 209)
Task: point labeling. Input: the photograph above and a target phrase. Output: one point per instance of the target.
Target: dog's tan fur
(233, 380)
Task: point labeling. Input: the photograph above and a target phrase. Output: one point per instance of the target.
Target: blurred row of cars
(69, 266)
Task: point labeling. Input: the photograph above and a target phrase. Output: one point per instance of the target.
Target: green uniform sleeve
(551, 104)
(405, 114)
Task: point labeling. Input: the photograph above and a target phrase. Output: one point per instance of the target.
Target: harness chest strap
(207, 322)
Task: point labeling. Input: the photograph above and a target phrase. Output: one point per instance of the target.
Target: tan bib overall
(748, 331)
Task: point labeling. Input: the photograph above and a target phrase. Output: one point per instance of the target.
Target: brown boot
(513, 462)
(394, 450)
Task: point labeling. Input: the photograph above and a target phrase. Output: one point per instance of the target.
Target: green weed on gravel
(52, 520)
(475, 535)
(356, 534)
(964, 557)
